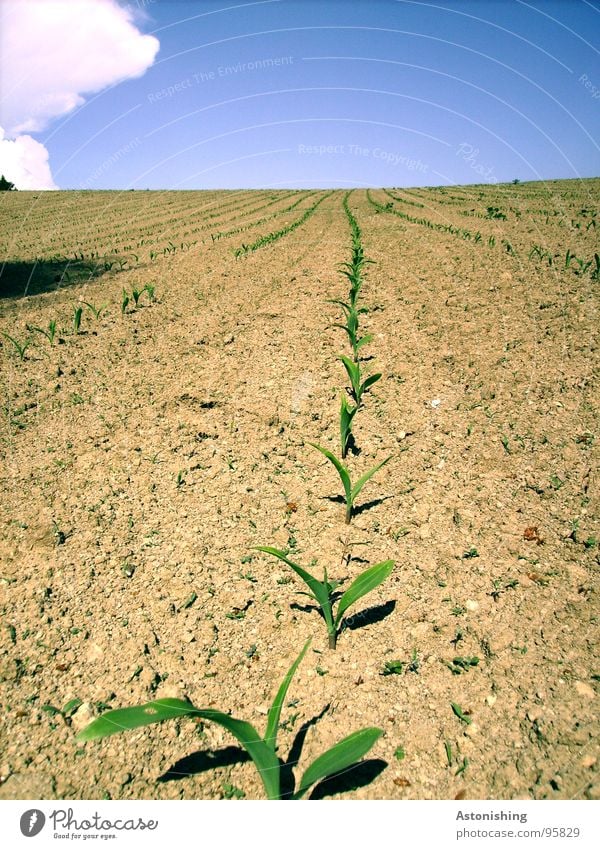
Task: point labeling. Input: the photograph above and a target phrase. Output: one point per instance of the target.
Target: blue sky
(303, 93)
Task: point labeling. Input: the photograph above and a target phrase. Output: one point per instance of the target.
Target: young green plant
(359, 386)
(50, 333)
(21, 347)
(351, 329)
(325, 592)
(347, 413)
(77, 312)
(351, 492)
(96, 311)
(262, 750)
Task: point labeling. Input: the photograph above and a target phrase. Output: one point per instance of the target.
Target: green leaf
(369, 382)
(341, 469)
(347, 413)
(346, 307)
(344, 328)
(362, 481)
(352, 323)
(71, 706)
(124, 719)
(275, 709)
(364, 341)
(318, 588)
(367, 581)
(353, 372)
(339, 757)
(457, 711)
(265, 760)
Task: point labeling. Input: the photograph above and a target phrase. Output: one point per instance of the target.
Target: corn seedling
(358, 388)
(20, 348)
(124, 302)
(136, 295)
(347, 413)
(351, 329)
(352, 271)
(351, 492)
(262, 750)
(596, 272)
(96, 311)
(149, 288)
(77, 311)
(325, 592)
(583, 265)
(50, 333)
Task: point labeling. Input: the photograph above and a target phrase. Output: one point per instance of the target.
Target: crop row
(59, 332)
(223, 234)
(333, 604)
(269, 238)
(494, 213)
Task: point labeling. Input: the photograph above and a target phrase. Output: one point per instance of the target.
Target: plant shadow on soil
(356, 511)
(24, 278)
(369, 616)
(202, 762)
(357, 775)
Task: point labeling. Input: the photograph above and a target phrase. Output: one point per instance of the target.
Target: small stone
(584, 689)
(534, 713)
(588, 761)
(94, 652)
(82, 716)
(491, 700)
(472, 730)
(472, 605)
(228, 339)
(171, 691)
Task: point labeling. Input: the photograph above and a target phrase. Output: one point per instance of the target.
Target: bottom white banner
(382, 823)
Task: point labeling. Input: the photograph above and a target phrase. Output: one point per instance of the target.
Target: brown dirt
(143, 459)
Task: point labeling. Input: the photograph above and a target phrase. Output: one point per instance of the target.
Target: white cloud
(53, 52)
(24, 161)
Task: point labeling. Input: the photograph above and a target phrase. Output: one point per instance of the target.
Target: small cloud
(54, 52)
(24, 161)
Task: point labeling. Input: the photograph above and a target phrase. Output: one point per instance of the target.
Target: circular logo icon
(32, 822)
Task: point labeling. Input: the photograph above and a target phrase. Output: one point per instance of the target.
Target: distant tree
(516, 182)
(6, 185)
